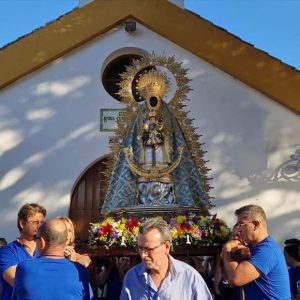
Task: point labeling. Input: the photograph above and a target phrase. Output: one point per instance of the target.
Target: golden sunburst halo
(152, 60)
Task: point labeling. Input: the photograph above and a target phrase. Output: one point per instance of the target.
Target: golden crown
(152, 83)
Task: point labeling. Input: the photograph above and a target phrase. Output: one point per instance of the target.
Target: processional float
(157, 167)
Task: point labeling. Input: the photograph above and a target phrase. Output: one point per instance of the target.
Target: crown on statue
(152, 83)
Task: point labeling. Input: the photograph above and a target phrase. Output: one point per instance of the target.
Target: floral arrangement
(198, 230)
(186, 230)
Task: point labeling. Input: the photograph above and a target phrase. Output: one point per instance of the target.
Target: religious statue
(154, 165)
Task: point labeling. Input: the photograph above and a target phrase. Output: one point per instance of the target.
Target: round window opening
(111, 74)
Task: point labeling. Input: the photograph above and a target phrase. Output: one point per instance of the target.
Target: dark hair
(292, 248)
(158, 224)
(53, 233)
(29, 210)
(3, 242)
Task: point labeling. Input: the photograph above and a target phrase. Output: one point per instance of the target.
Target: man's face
(236, 233)
(245, 228)
(32, 225)
(152, 250)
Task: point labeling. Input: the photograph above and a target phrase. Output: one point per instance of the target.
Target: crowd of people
(43, 264)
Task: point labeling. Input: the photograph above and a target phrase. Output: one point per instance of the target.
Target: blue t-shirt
(11, 255)
(295, 280)
(274, 280)
(51, 278)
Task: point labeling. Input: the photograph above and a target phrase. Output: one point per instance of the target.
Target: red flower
(183, 227)
(106, 229)
(132, 223)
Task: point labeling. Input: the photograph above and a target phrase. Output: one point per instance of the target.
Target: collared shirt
(182, 282)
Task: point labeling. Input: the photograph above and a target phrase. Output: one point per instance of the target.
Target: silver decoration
(155, 193)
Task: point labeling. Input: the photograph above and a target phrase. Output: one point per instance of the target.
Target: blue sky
(270, 25)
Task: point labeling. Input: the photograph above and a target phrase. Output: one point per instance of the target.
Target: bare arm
(83, 259)
(238, 274)
(218, 276)
(9, 275)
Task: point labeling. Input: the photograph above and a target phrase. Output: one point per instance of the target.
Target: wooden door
(87, 199)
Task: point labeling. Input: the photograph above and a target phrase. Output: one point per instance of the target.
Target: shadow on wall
(233, 119)
(44, 135)
(288, 170)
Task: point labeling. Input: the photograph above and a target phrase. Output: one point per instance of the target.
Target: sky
(270, 25)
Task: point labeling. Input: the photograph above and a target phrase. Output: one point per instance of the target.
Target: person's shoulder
(271, 241)
(181, 266)
(10, 248)
(136, 270)
(76, 263)
(81, 268)
(23, 264)
(27, 264)
(11, 245)
(267, 243)
(275, 248)
(10, 255)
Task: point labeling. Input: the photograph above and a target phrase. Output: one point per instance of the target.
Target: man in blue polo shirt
(264, 275)
(30, 217)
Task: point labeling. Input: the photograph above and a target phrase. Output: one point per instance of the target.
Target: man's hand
(237, 249)
(241, 254)
(70, 253)
(232, 244)
(239, 271)
(229, 246)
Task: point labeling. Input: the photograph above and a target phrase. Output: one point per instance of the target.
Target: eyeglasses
(35, 222)
(241, 224)
(148, 250)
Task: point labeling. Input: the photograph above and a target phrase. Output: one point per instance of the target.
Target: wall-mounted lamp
(130, 26)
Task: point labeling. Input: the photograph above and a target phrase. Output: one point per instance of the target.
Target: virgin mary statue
(159, 163)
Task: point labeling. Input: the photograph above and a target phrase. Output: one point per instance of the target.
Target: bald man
(51, 276)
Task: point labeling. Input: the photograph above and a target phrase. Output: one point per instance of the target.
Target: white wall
(49, 133)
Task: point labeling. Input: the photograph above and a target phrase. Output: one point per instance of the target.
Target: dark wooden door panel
(87, 199)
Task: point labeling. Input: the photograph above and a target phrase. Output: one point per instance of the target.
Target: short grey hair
(251, 212)
(160, 225)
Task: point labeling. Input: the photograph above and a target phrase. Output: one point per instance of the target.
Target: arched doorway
(87, 198)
